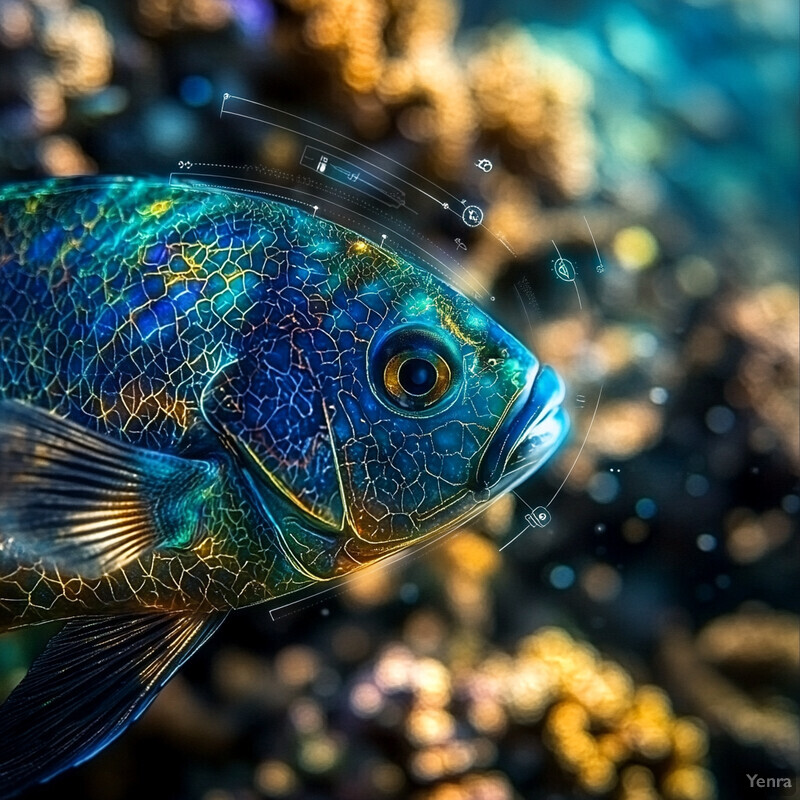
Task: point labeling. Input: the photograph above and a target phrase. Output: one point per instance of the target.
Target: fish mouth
(529, 433)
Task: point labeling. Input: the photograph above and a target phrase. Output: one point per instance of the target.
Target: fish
(210, 399)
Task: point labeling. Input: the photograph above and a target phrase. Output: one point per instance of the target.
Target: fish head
(390, 410)
(442, 412)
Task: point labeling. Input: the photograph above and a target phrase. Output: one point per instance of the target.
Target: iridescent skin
(224, 327)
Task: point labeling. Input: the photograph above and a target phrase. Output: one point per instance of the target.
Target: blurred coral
(403, 62)
(536, 103)
(751, 536)
(63, 51)
(161, 16)
(595, 721)
(62, 155)
(768, 379)
(75, 37)
(758, 642)
(753, 639)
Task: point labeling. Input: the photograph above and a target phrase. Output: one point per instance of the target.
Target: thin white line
(580, 305)
(596, 249)
(503, 242)
(524, 309)
(511, 541)
(186, 175)
(520, 497)
(583, 444)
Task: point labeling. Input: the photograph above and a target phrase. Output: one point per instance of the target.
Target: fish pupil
(417, 376)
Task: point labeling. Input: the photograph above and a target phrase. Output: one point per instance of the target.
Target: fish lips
(528, 435)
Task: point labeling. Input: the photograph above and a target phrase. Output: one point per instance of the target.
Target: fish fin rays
(94, 678)
(87, 503)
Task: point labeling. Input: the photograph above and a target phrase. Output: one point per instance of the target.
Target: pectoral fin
(92, 681)
(88, 503)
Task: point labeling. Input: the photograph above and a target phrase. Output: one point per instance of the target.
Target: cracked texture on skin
(133, 308)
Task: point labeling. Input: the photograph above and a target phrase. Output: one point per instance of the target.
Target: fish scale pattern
(203, 323)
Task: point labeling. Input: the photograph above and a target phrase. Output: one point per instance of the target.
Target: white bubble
(562, 576)
(591, 365)
(659, 395)
(706, 542)
(646, 508)
(697, 276)
(645, 345)
(720, 419)
(791, 504)
(603, 487)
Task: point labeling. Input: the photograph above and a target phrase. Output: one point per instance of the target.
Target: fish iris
(417, 381)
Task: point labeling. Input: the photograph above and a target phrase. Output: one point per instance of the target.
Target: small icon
(564, 269)
(185, 165)
(445, 206)
(460, 245)
(472, 216)
(600, 266)
(581, 400)
(383, 240)
(539, 517)
(484, 164)
(323, 164)
(316, 208)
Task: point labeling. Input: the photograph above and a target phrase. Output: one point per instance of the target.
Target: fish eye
(414, 368)
(416, 380)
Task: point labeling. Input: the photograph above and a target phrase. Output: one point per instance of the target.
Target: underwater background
(645, 643)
